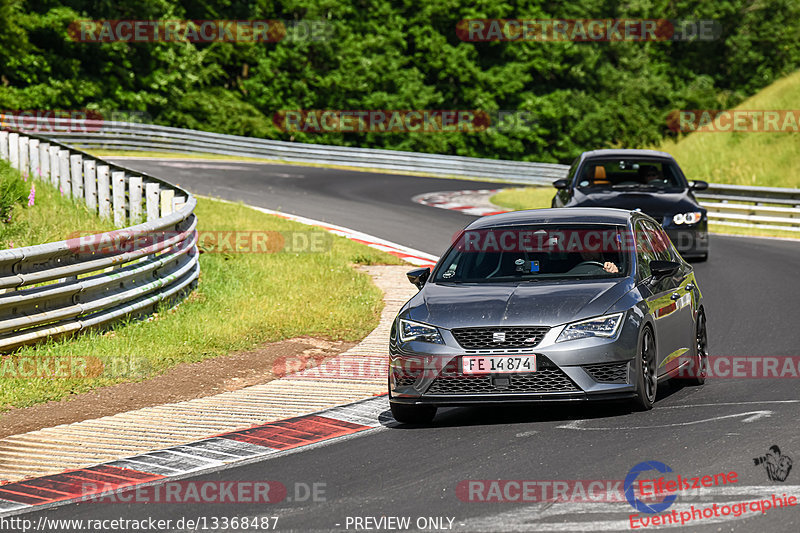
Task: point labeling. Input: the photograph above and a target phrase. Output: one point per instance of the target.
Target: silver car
(548, 304)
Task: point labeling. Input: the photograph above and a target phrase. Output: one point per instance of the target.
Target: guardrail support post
(103, 192)
(13, 150)
(90, 185)
(63, 173)
(44, 161)
(4, 145)
(33, 156)
(166, 202)
(54, 166)
(118, 197)
(23, 156)
(76, 171)
(152, 196)
(135, 199)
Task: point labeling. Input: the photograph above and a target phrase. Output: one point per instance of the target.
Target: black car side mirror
(662, 269)
(419, 276)
(698, 185)
(561, 184)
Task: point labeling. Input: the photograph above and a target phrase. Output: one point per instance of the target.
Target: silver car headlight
(688, 218)
(414, 331)
(601, 326)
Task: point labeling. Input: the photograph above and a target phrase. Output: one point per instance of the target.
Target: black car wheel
(413, 414)
(647, 379)
(696, 375)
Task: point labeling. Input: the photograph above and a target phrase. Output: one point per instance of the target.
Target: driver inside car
(597, 257)
(650, 174)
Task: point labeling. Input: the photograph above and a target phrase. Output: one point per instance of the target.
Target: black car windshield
(531, 253)
(629, 174)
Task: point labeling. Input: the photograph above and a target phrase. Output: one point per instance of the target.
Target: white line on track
(751, 416)
(756, 402)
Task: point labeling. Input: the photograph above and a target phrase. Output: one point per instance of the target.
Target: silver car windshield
(530, 253)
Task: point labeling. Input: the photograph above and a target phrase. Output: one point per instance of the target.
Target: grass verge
(764, 159)
(243, 300)
(540, 197)
(521, 198)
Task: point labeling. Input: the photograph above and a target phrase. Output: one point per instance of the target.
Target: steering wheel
(585, 264)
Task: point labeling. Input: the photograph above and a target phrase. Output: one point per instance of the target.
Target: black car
(548, 304)
(640, 180)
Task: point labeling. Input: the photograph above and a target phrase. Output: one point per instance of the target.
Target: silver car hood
(533, 303)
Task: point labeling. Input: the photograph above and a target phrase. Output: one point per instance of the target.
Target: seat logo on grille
(499, 336)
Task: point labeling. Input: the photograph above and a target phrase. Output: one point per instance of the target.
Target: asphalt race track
(752, 292)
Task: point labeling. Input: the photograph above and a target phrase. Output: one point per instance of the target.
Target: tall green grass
(52, 217)
(766, 159)
(13, 192)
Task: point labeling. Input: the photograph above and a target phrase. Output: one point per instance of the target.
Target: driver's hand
(610, 267)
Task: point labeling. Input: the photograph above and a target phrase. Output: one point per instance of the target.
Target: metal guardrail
(761, 207)
(139, 137)
(82, 282)
(732, 205)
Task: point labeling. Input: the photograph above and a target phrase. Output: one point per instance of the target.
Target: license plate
(497, 364)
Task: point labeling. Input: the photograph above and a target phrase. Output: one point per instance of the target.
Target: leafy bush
(384, 54)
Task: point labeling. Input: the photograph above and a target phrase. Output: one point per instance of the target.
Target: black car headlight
(414, 331)
(687, 218)
(602, 326)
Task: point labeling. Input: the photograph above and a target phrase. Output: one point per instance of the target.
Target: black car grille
(547, 378)
(404, 382)
(515, 337)
(608, 372)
